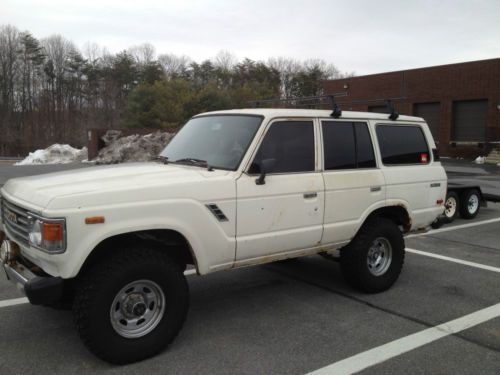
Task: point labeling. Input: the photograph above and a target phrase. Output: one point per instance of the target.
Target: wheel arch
(166, 239)
(396, 213)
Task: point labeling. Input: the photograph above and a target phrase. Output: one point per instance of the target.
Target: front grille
(16, 221)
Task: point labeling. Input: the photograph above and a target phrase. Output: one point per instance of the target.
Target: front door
(285, 214)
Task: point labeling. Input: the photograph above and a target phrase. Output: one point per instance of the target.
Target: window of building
(402, 145)
(290, 144)
(347, 145)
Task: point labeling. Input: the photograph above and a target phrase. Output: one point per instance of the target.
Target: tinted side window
(347, 145)
(291, 144)
(339, 145)
(364, 146)
(402, 145)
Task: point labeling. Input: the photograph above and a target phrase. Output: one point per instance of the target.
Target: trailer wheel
(471, 201)
(451, 206)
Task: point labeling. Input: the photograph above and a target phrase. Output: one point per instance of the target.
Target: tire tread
(99, 274)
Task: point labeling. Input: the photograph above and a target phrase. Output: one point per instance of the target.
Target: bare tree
(143, 54)
(174, 66)
(225, 60)
(93, 52)
(288, 69)
(9, 64)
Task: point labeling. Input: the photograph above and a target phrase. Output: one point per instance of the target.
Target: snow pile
(479, 160)
(55, 154)
(132, 148)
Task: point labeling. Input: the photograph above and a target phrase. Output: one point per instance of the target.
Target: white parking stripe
(454, 260)
(455, 227)
(13, 302)
(392, 349)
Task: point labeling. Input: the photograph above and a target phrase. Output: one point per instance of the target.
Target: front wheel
(131, 305)
(373, 260)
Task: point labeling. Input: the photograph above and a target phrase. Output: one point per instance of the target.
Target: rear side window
(402, 145)
(290, 144)
(347, 145)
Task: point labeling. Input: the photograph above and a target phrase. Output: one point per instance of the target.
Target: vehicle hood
(108, 184)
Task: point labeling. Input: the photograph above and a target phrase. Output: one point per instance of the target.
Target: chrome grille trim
(19, 229)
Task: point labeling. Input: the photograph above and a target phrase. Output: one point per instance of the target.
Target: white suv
(236, 188)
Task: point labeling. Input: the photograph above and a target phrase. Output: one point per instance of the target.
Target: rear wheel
(470, 204)
(131, 305)
(373, 260)
(451, 206)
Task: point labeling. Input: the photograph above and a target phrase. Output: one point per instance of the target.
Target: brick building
(461, 102)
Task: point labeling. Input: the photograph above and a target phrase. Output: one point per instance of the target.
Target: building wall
(444, 84)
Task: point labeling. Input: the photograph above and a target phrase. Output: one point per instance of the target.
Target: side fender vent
(217, 212)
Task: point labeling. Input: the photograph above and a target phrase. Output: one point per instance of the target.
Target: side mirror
(266, 166)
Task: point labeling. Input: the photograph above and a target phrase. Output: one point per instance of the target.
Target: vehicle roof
(293, 112)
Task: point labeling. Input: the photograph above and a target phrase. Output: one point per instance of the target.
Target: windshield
(215, 141)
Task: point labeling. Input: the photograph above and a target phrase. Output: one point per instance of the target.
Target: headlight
(47, 234)
(36, 233)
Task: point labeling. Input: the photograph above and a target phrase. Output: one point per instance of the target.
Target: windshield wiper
(162, 159)
(193, 161)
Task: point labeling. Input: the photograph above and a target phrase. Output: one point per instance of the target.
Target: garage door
(469, 120)
(430, 113)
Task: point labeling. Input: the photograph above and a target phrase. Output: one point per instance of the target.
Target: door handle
(375, 188)
(310, 195)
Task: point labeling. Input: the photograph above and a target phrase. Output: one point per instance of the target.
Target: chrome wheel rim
(451, 207)
(137, 309)
(379, 256)
(473, 203)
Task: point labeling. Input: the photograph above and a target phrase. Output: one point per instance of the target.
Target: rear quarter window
(402, 144)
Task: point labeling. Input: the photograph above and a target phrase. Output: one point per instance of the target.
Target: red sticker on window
(424, 158)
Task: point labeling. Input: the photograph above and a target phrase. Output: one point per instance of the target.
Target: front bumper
(40, 289)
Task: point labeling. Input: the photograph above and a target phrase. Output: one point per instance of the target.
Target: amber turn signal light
(94, 220)
(52, 232)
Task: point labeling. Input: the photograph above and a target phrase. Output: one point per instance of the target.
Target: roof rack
(389, 102)
(323, 99)
(306, 100)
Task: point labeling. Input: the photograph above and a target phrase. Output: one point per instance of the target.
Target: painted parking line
(395, 348)
(13, 302)
(455, 227)
(454, 260)
(23, 300)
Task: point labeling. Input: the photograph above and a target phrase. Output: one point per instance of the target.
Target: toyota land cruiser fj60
(232, 189)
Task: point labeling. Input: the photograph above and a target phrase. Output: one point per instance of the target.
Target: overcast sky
(361, 36)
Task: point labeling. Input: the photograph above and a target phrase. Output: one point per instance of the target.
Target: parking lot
(298, 316)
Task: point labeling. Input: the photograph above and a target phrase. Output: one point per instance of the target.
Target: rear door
(354, 185)
(286, 212)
